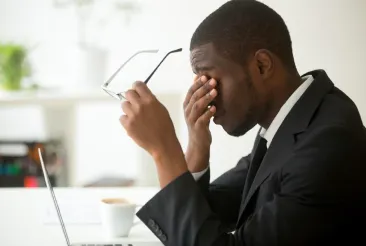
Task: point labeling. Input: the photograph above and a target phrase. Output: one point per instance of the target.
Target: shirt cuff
(198, 175)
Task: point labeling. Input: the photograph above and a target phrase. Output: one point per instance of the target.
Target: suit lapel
(250, 171)
(279, 151)
(283, 142)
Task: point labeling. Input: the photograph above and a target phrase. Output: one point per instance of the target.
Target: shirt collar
(269, 133)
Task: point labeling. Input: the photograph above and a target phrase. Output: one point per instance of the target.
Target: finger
(132, 96)
(196, 77)
(142, 90)
(201, 92)
(127, 108)
(204, 119)
(200, 106)
(198, 82)
(202, 79)
(124, 121)
(190, 92)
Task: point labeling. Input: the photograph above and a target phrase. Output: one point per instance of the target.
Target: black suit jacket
(310, 188)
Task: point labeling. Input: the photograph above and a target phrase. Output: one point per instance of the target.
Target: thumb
(204, 119)
(142, 89)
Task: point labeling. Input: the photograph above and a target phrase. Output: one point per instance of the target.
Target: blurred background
(55, 54)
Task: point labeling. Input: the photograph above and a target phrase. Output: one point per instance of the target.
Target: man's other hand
(147, 121)
(198, 115)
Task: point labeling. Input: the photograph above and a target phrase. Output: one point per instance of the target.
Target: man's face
(241, 99)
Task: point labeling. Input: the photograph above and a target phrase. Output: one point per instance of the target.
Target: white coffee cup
(117, 216)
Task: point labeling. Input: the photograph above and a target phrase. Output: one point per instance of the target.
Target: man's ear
(264, 62)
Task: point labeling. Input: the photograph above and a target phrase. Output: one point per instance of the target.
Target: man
(302, 184)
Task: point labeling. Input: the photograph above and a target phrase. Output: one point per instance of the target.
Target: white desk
(22, 213)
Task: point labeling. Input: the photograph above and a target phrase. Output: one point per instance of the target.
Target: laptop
(120, 242)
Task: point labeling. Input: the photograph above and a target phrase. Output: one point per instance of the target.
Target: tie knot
(261, 150)
(262, 143)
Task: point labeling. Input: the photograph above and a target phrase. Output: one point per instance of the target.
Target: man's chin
(238, 131)
(235, 131)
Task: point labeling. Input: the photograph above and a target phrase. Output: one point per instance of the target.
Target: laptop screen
(50, 188)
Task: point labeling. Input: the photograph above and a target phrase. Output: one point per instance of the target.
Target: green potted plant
(13, 66)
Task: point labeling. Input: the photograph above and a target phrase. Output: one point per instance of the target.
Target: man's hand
(148, 123)
(198, 116)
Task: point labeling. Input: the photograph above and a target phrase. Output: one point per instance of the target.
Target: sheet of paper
(73, 211)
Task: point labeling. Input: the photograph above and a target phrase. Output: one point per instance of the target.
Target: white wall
(328, 34)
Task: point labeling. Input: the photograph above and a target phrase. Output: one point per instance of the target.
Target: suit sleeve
(317, 184)
(198, 175)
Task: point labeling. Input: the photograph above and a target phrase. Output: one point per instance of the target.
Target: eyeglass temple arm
(152, 73)
(129, 59)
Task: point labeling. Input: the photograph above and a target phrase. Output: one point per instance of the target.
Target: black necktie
(259, 153)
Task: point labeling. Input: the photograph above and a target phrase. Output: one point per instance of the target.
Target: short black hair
(240, 27)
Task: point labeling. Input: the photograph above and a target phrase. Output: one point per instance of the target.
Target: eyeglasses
(121, 95)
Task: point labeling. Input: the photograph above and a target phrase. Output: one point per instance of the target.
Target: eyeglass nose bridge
(121, 96)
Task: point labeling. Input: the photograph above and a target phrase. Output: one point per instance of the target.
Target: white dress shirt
(269, 133)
